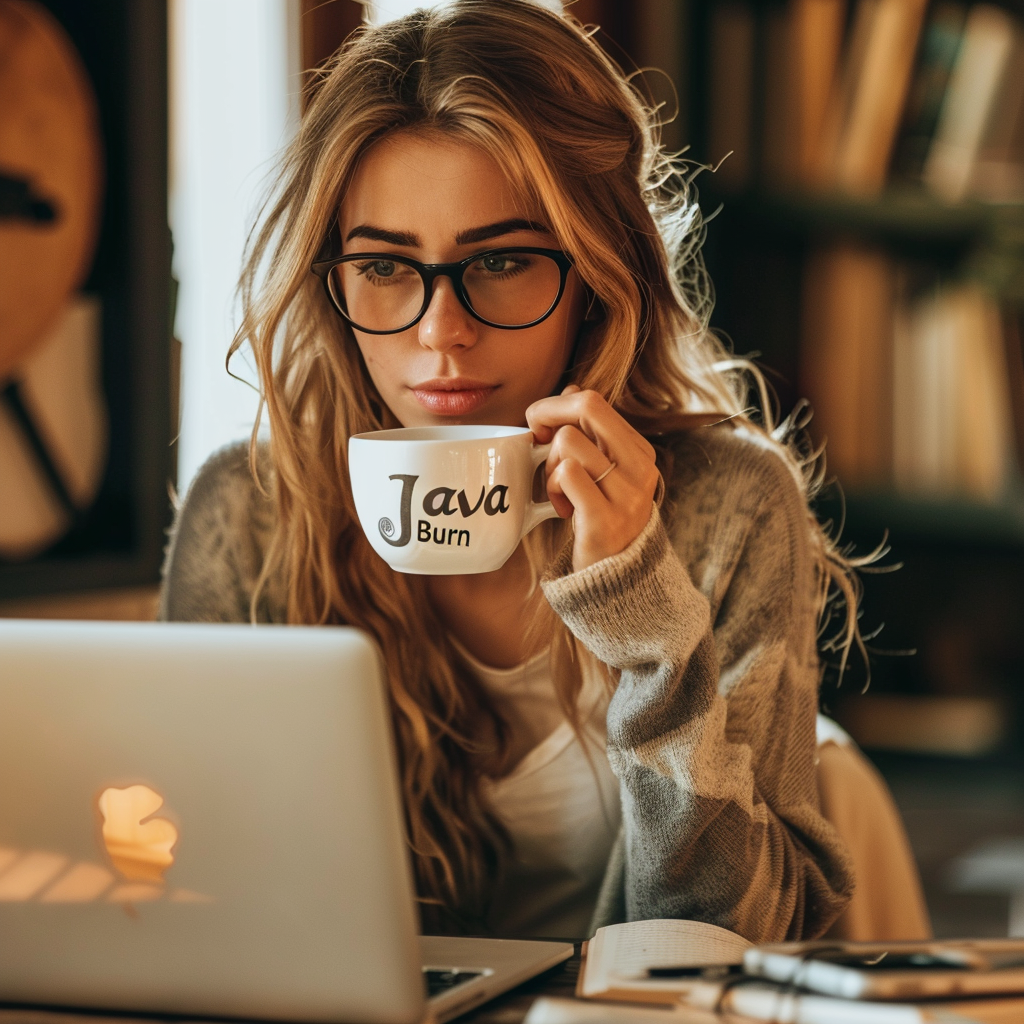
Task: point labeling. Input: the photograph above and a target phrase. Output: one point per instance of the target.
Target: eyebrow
(502, 227)
(373, 234)
(467, 237)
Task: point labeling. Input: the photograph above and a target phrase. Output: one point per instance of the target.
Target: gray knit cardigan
(709, 616)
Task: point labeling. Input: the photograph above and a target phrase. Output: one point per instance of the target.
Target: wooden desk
(513, 1006)
(135, 604)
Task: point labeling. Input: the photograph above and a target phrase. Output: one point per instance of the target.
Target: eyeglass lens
(509, 289)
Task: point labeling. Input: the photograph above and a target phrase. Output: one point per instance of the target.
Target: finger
(629, 489)
(588, 411)
(632, 484)
(572, 489)
(571, 443)
(584, 409)
(601, 527)
(623, 483)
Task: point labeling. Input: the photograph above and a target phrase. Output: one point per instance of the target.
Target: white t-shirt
(561, 809)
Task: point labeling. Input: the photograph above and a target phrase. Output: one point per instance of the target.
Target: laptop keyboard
(442, 981)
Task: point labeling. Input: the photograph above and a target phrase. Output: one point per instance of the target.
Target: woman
(620, 722)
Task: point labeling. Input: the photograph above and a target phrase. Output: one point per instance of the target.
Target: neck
(490, 613)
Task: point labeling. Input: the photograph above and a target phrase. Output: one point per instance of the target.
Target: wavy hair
(580, 144)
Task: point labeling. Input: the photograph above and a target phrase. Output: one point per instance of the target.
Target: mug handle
(538, 511)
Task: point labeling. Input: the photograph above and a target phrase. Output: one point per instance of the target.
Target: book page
(551, 1010)
(619, 956)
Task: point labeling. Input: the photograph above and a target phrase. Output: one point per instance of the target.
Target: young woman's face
(441, 202)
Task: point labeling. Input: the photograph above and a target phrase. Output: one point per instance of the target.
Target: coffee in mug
(446, 500)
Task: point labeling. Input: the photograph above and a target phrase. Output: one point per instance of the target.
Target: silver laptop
(206, 820)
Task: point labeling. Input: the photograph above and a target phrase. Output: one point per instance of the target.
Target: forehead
(431, 186)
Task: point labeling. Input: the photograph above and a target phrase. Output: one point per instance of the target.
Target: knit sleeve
(711, 729)
(216, 546)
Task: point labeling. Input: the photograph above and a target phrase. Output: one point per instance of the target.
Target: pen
(706, 972)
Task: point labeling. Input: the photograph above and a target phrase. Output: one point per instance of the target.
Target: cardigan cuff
(625, 608)
(559, 581)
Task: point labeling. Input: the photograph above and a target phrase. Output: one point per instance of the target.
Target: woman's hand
(600, 471)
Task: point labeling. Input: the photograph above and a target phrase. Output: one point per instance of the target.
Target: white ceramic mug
(446, 500)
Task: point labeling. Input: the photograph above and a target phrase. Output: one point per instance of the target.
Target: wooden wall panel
(324, 25)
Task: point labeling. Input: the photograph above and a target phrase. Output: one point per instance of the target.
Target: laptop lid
(202, 819)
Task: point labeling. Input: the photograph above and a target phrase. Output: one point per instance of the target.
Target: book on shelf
(803, 41)
(871, 93)
(816, 41)
(937, 52)
(832, 99)
(923, 382)
(984, 431)
(953, 428)
(1013, 340)
(998, 171)
(846, 355)
(778, 112)
(915, 388)
(942, 725)
(731, 57)
(972, 95)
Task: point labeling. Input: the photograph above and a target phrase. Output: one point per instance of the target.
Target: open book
(617, 959)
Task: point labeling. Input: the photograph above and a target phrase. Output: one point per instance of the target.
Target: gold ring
(598, 479)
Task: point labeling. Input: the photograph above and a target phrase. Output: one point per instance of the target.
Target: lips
(452, 396)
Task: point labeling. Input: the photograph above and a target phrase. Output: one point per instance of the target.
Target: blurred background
(865, 236)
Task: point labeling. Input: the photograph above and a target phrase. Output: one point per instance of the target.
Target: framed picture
(108, 530)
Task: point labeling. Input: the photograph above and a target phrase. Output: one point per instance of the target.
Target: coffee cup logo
(438, 502)
(386, 527)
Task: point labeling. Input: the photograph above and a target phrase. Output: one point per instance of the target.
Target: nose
(446, 323)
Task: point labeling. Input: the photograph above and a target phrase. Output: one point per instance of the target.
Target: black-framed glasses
(383, 293)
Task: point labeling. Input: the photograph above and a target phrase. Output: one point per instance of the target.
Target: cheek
(551, 351)
(370, 358)
(568, 328)
(571, 311)
(377, 363)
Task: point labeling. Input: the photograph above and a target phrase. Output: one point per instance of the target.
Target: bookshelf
(954, 521)
(902, 217)
(962, 240)
(836, 227)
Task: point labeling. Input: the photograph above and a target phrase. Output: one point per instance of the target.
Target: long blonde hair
(532, 89)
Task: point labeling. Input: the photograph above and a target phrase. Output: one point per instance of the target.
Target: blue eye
(381, 272)
(504, 263)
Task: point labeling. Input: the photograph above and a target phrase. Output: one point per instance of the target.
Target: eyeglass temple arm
(331, 247)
